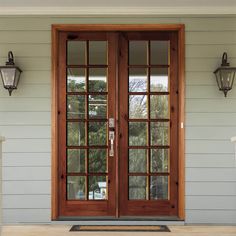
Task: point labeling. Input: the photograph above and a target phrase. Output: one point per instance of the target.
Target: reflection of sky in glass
(80, 79)
(159, 80)
(101, 78)
(134, 80)
(138, 84)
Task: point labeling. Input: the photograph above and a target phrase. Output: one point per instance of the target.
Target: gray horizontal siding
(16, 132)
(211, 174)
(26, 173)
(27, 145)
(25, 118)
(30, 91)
(210, 118)
(27, 201)
(211, 216)
(210, 188)
(25, 104)
(210, 160)
(33, 215)
(211, 203)
(18, 187)
(209, 146)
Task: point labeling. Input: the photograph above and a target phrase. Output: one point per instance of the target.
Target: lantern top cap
(10, 61)
(225, 65)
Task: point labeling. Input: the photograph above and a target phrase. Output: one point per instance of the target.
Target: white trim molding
(115, 11)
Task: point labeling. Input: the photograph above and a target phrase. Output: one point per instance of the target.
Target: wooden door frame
(56, 29)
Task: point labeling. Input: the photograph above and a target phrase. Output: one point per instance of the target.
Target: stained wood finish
(118, 204)
(84, 207)
(148, 207)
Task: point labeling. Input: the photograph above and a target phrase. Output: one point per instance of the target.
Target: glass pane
(138, 52)
(97, 106)
(138, 80)
(159, 160)
(76, 52)
(160, 52)
(76, 107)
(97, 80)
(75, 133)
(159, 81)
(159, 187)
(138, 160)
(97, 133)
(76, 80)
(75, 160)
(97, 187)
(76, 187)
(137, 187)
(159, 106)
(137, 133)
(97, 160)
(159, 133)
(97, 52)
(137, 106)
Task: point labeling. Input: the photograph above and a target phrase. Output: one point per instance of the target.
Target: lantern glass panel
(8, 75)
(17, 77)
(226, 77)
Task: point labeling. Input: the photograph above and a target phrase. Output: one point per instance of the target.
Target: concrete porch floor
(63, 230)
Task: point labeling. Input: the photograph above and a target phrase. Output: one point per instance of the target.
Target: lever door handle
(111, 138)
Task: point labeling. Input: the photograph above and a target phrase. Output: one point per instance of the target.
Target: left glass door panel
(87, 120)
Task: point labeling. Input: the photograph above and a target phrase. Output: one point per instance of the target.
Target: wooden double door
(118, 118)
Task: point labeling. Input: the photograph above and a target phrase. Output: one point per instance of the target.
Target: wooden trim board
(181, 131)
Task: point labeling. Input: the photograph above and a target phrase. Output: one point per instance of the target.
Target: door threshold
(119, 221)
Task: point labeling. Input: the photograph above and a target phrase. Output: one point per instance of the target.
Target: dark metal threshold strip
(123, 218)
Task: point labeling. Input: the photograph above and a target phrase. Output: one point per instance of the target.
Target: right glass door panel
(148, 124)
(149, 120)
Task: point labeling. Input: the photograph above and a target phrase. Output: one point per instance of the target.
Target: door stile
(123, 117)
(112, 104)
(174, 121)
(62, 121)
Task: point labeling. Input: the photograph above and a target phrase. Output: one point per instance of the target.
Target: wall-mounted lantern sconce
(225, 75)
(10, 74)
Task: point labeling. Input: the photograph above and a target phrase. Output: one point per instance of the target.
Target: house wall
(210, 118)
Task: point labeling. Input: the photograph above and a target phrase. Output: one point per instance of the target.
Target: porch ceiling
(112, 7)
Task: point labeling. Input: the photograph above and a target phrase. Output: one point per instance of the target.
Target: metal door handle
(111, 138)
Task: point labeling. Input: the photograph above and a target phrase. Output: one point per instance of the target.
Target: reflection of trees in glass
(97, 160)
(159, 187)
(159, 133)
(159, 80)
(137, 160)
(137, 106)
(75, 133)
(76, 160)
(97, 133)
(97, 187)
(137, 187)
(76, 106)
(76, 80)
(97, 106)
(137, 133)
(75, 187)
(97, 80)
(159, 108)
(159, 160)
